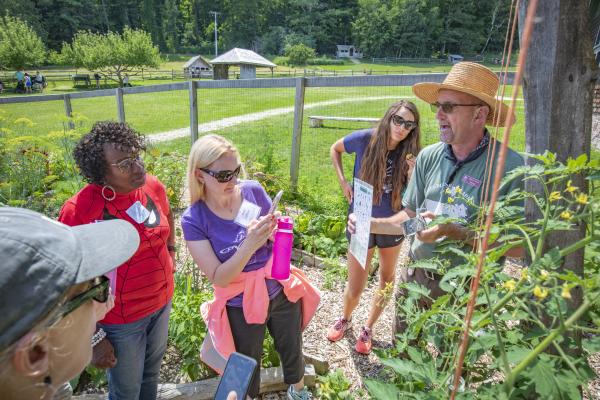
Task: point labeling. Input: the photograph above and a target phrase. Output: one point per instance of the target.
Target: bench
(315, 121)
(81, 78)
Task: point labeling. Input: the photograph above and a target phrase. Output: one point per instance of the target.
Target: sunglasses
(448, 108)
(399, 121)
(99, 291)
(223, 176)
(126, 164)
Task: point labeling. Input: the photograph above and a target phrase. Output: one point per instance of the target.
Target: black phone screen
(237, 376)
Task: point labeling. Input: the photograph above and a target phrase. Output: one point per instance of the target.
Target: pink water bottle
(282, 248)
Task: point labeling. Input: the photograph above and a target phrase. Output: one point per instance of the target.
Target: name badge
(138, 212)
(248, 211)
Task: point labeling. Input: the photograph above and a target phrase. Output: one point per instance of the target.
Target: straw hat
(470, 78)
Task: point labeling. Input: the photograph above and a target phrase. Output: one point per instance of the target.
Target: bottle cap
(285, 223)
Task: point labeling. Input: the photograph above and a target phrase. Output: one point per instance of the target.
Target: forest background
(380, 28)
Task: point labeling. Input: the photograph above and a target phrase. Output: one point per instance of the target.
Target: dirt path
(242, 119)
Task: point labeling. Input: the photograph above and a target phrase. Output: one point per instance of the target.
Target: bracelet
(171, 248)
(98, 337)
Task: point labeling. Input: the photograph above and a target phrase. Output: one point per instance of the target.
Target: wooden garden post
(193, 91)
(297, 135)
(68, 110)
(558, 83)
(120, 104)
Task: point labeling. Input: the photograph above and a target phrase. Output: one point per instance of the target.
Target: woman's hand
(411, 166)
(259, 231)
(103, 355)
(348, 191)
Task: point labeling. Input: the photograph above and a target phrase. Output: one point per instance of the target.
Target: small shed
(246, 59)
(197, 67)
(455, 58)
(347, 51)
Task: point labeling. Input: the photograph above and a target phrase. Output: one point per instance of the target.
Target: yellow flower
(582, 198)
(509, 285)
(544, 274)
(566, 292)
(570, 188)
(170, 192)
(565, 215)
(554, 196)
(450, 200)
(448, 191)
(458, 190)
(540, 292)
(523, 274)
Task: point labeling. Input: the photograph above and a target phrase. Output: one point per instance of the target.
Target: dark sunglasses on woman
(223, 176)
(399, 121)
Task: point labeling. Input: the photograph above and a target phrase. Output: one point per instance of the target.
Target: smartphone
(275, 202)
(238, 374)
(414, 225)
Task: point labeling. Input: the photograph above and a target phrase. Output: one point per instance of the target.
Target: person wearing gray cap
(52, 293)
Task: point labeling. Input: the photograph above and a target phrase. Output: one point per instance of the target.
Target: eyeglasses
(99, 291)
(223, 176)
(448, 108)
(399, 121)
(126, 164)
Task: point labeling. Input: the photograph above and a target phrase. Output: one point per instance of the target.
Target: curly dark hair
(89, 151)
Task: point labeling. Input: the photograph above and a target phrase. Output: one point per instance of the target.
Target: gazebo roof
(193, 60)
(238, 56)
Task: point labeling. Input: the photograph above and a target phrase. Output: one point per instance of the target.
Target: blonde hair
(204, 152)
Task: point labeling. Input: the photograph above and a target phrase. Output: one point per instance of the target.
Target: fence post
(120, 104)
(297, 135)
(193, 92)
(68, 110)
(172, 74)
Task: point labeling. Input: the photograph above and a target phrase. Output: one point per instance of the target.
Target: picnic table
(316, 121)
(81, 78)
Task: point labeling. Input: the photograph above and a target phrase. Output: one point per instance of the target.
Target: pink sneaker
(363, 344)
(336, 331)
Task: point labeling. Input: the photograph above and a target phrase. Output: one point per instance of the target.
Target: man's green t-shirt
(444, 186)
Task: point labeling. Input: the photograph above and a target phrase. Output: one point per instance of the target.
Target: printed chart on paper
(363, 203)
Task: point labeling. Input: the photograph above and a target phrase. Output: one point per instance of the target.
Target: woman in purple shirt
(384, 159)
(226, 229)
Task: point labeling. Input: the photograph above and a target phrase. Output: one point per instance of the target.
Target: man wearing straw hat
(450, 177)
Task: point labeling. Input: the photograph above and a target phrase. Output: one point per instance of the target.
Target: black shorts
(381, 241)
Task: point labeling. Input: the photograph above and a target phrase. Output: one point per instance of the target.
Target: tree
(20, 46)
(299, 54)
(112, 54)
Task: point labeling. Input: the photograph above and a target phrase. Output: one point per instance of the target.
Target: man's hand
(103, 355)
(352, 224)
(452, 231)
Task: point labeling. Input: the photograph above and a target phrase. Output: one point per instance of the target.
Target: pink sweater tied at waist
(218, 343)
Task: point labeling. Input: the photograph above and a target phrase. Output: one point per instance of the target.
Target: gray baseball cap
(40, 259)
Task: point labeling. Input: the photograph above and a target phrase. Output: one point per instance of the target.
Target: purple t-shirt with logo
(225, 236)
(357, 142)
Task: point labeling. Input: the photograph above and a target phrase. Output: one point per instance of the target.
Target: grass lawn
(269, 141)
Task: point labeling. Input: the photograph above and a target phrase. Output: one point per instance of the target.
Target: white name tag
(138, 212)
(248, 211)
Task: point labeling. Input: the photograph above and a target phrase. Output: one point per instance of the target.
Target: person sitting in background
(109, 158)
(39, 81)
(126, 81)
(52, 292)
(227, 228)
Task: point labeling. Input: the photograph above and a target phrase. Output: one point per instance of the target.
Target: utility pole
(215, 13)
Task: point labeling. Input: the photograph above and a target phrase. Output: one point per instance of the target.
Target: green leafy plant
(186, 326)
(521, 342)
(334, 386)
(170, 168)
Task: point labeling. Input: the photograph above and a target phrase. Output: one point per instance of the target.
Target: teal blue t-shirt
(444, 186)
